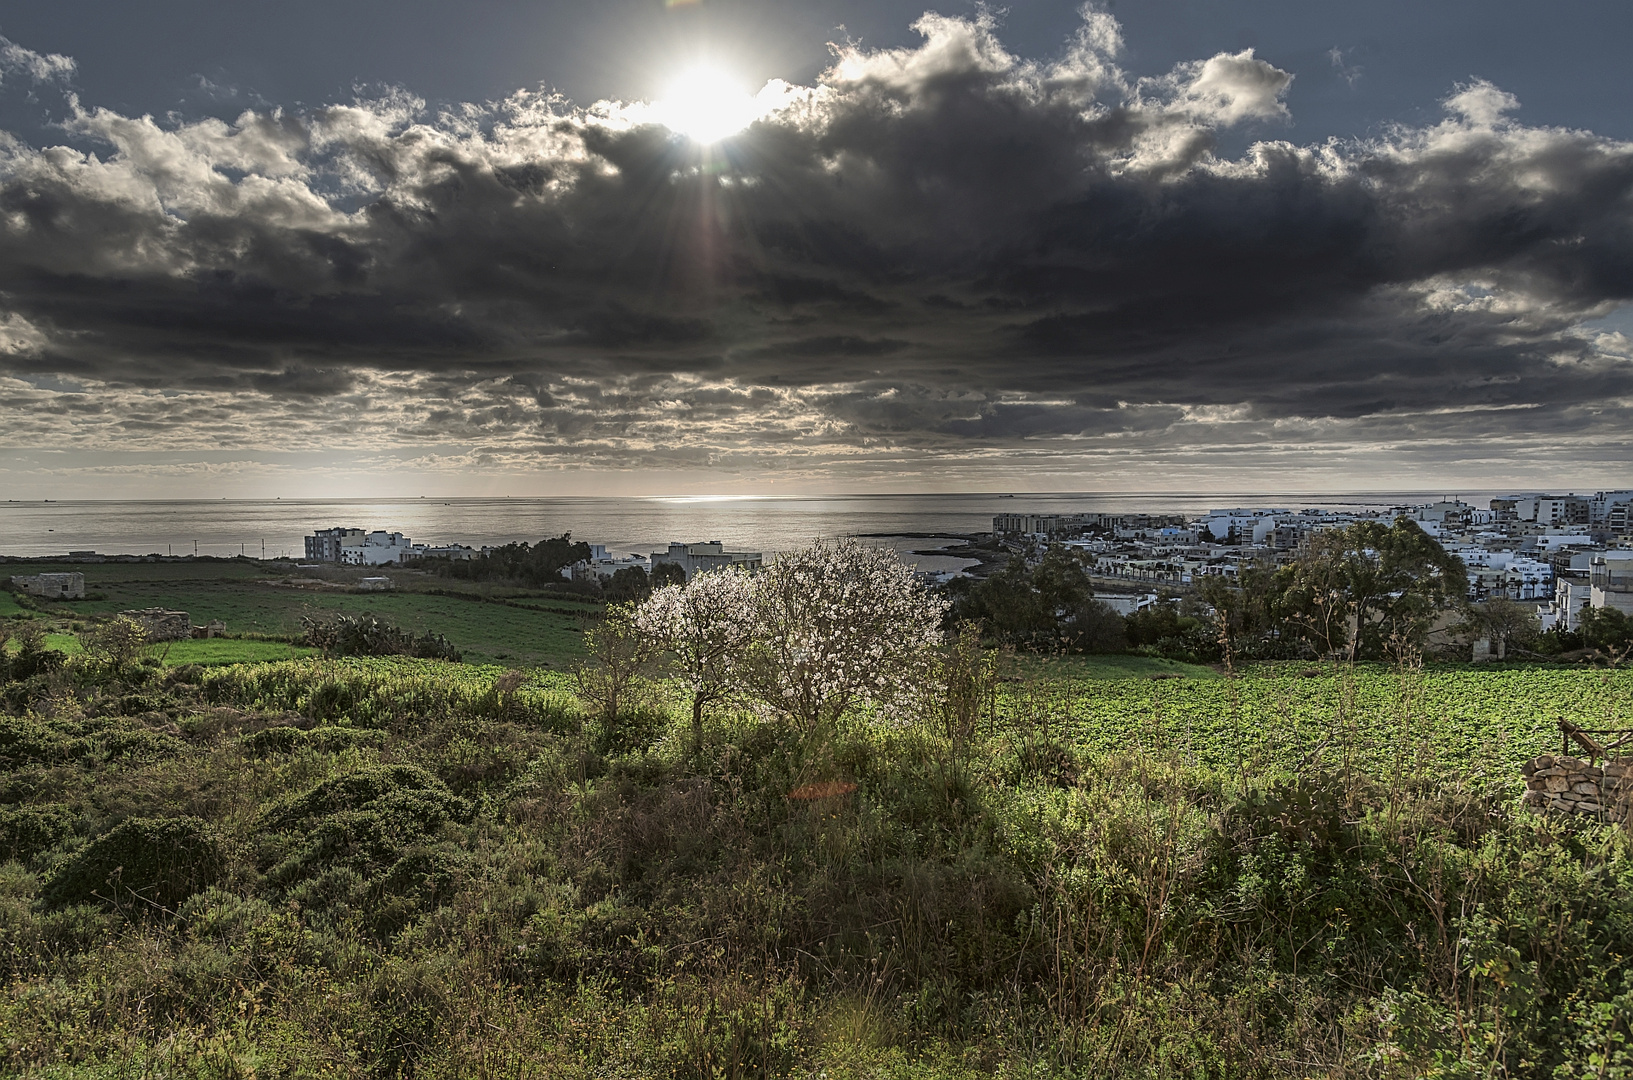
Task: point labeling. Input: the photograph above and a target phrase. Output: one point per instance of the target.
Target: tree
(117, 642)
(667, 573)
(618, 655)
(1049, 606)
(365, 634)
(839, 626)
(1502, 621)
(1393, 582)
(968, 676)
(627, 586)
(535, 564)
(705, 626)
(1606, 628)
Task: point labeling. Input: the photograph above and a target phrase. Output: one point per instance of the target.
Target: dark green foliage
(31, 661)
(142, 866)
(366, 843)
(537, 565)
(1161, 629)
(274, 740)
(25, 740)
(286, 739)
(407, 786)
(369, 635)
(667, 573)
(1389, 582)
(1606, 629)
(26, 831)
(627, 586)
(1048, 607)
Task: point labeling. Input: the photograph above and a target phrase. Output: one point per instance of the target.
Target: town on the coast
(1559, 555)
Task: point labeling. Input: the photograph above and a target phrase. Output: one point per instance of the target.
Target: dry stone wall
(1561, 784)
(162, 624)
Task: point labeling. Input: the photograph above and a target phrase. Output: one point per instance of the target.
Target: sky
(636, 247)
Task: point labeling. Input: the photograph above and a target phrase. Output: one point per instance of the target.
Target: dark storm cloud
(938, 248)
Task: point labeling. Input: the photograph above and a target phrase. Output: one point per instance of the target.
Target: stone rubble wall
(162, 624)
(1561, 784)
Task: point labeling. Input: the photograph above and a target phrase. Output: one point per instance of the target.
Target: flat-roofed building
(327, 545)
(52, 586)
(711, 555)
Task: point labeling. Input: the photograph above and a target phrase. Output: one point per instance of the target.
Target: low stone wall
(1561, 784)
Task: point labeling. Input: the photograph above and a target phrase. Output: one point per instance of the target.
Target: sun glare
(706, 105)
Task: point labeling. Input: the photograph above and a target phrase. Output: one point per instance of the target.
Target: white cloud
(18, 62)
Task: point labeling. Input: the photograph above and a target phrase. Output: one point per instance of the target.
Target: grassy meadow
(488, 624)
(389, 867)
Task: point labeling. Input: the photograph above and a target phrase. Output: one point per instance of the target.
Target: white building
(1126, 605)
(1610, 581)
(1571, 595)
(602, 565)
(1604, 503)
(377, 549)
(1243, 526)
(455, 552)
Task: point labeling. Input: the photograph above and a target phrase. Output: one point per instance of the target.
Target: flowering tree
(705, 625)
(839, 626)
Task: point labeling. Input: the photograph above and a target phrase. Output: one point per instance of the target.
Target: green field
(1105, 667)
(487, 624)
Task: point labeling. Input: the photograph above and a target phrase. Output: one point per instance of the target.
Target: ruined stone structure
(161, 624)
(1564, 784)
(52, 586)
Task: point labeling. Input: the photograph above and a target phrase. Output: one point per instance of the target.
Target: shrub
(29, 740)
(619, 654)
(118, 642)
(369, 635)
(142, 865)
(25, 831)
(32, 658)
(364, 790)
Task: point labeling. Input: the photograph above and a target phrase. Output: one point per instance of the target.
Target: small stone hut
(52, 586)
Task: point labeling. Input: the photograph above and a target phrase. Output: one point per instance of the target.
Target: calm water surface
(768, 524)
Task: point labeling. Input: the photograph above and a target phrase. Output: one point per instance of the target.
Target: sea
(274, 528)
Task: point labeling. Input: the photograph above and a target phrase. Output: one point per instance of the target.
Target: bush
(365, 790)
(143, 865)
(25, 831)
(32, 658)
(27, 740)
(369, 635)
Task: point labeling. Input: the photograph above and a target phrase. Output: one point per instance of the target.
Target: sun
(706, 105)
